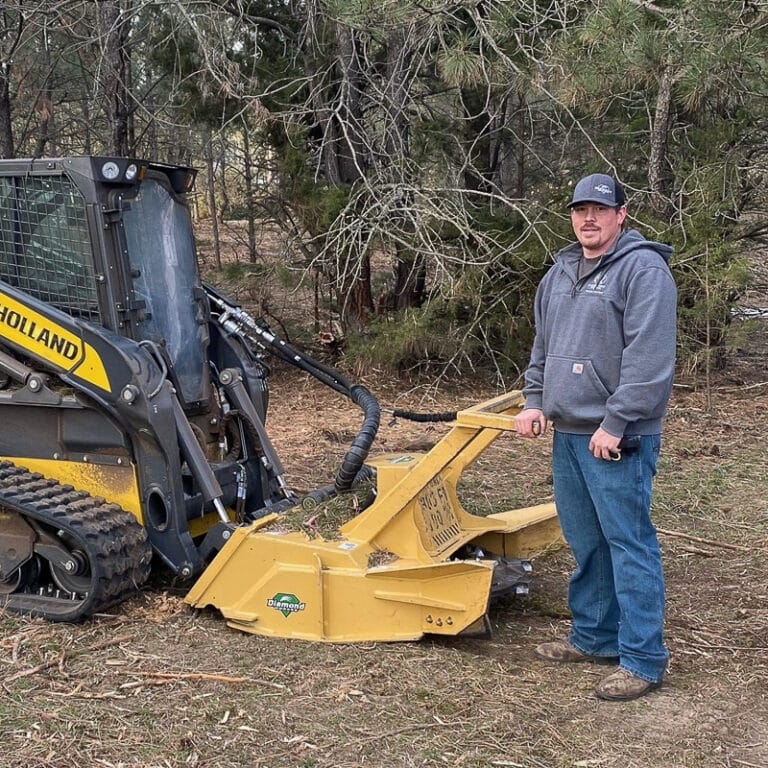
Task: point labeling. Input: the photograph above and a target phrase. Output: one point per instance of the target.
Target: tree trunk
(212, 211)
(114, 58)
(347, 114)
(344, 155)
(86, 118)
(409, 270)
(397, 137)
(338, 114)
(659, 132)
(506, 163)
(357, 299)
(8, 44)
(225, 206)
(150, 141)
(44, 102)
(7, 148)
(249, 206)
(522, 108)
(130, 112)
(410, 281)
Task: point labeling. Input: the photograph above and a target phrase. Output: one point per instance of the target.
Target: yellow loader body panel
(394, 573)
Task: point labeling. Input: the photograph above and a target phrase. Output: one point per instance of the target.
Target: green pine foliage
(429, 147)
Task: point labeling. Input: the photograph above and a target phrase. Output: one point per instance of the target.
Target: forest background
(411, 161)
(385, 181)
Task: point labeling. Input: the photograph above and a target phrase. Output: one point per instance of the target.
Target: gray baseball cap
(598, 188)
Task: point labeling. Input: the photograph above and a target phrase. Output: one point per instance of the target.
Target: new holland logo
(41, 335)
(286, 604)
(46, 339)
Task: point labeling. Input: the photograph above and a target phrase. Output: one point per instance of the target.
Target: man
(601, 373)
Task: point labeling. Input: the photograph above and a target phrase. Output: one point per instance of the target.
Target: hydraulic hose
(424, 417)
(320, 495)
(359, 395)
(358, 451)
(238, 322)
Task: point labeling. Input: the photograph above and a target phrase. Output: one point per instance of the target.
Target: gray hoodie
(604, 351)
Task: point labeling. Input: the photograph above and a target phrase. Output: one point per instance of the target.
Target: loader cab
(109, 241)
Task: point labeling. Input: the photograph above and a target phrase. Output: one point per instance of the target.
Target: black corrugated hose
(234, 320)
(424, 417)
(358, 451)
(352, 472)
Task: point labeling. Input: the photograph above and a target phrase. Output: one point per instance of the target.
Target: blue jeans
(616, 594)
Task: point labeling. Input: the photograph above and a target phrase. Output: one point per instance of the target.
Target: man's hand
(530, 422)
(604, 445)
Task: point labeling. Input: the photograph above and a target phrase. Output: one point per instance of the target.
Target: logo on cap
(598, 188)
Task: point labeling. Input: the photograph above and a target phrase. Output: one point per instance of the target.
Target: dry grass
(160, 685)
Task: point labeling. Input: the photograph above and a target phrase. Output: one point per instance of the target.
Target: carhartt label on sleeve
(578, 368)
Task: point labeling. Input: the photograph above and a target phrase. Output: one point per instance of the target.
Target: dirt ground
(159, 685)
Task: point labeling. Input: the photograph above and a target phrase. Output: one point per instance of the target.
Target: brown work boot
(624, 686)
(563, 652)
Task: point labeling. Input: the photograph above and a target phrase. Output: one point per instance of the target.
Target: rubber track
(114, 541)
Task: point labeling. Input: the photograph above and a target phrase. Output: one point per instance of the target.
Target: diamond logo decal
(286, 603)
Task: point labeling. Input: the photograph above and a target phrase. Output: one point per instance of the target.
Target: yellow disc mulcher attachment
(401, 568)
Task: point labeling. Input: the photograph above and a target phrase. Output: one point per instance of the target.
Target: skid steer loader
(133, 400)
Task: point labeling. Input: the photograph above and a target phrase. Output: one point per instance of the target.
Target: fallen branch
(700, 552)
(59, 660)
(79, 693)
(755, 649)
(710, 542)
(744, 388)
(170, 676)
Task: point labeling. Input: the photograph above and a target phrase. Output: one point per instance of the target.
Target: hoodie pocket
(573, 391)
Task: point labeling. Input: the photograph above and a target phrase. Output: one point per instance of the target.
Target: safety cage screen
(45, 248)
